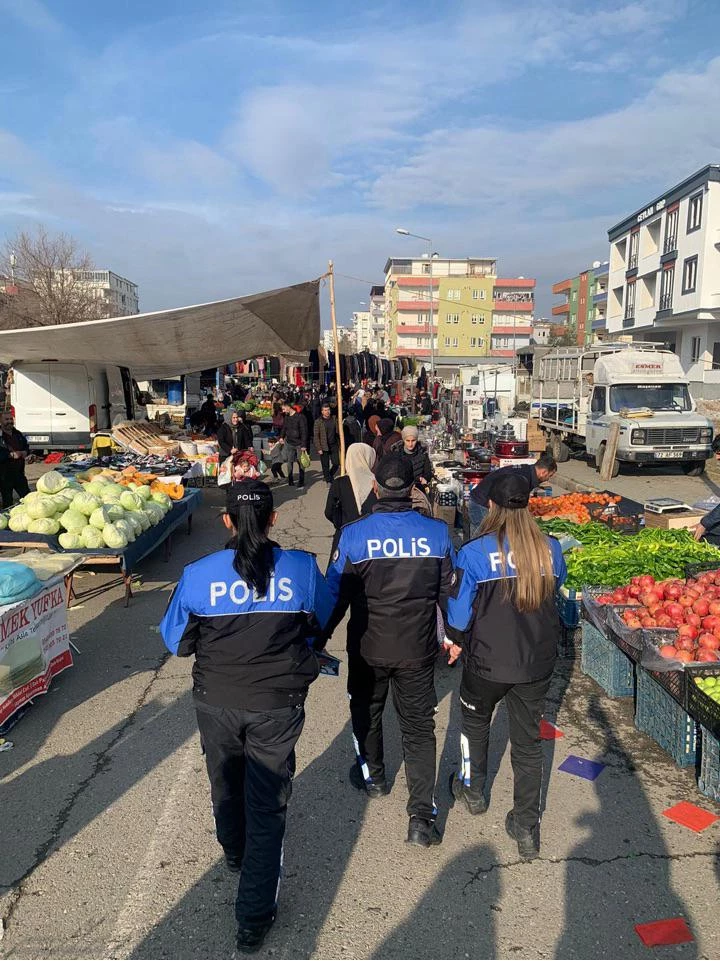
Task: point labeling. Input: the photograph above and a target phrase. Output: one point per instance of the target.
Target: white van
(61, 406)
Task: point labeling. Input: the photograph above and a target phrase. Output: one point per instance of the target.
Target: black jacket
(250, 653)
(341, 506)
(239, 437)
(392, 568)
(499, 642)
(711, 523)
(295, 431)
(479, 493)
(419, 458)
(325, 435)
(19, 442)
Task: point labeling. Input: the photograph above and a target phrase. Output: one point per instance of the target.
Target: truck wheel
(600, 457)
(559, 449)
(693, 468)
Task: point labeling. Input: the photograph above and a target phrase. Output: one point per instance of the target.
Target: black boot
(474, 801)
(374, 789)
(528, 840)
(250, 937)
(422, 832)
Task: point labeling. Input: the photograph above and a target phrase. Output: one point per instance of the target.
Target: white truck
(579, 393)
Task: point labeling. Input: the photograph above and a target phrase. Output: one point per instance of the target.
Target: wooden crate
(675, 520)
(143, 437)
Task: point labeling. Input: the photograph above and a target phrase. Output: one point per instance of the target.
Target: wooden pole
(338, 385)
(611, 447)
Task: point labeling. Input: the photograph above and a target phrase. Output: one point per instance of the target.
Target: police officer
(392, 568)
(250, 615)
(504, 623)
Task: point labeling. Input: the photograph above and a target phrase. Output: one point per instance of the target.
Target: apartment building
(664, 282)
(362, 330)
(119, 296)
(475, 313)
(584, 307)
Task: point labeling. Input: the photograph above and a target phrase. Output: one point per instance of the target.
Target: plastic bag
(225, 472)
(305, 460)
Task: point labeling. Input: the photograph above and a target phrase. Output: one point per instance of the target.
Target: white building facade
(119, 295)
(664, 280)
(362, 330)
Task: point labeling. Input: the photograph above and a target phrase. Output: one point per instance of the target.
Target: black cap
(248, 495)
(394, 473)
(509, 489)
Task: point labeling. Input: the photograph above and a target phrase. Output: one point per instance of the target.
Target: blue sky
(210, 151)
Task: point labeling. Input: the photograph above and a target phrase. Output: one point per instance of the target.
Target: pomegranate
(667, 650)
(710, 641)
(711, 622)
(701, 607)
(684, 656)
(707, 655)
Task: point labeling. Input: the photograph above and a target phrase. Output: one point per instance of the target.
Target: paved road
(107, 836)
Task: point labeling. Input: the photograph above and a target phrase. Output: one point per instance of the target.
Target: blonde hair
(534, 582)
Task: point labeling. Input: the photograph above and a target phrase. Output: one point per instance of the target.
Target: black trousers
(415, 701)
(250, 757)
(525, 703)
(12, 478)
(293, 455)
(330, 461)
(277, 470)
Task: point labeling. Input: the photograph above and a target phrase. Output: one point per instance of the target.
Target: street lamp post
(406, 233)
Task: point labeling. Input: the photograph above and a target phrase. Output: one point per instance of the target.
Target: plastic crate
(704, 709)
(569, 641)
(709, 774)
(657, 714)
(618, 633)
(692, 570)
(604, 663)
(569, 602)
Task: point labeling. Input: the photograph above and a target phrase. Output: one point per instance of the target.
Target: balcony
(561, 309)
(412, 351)
(562, 287)
(666, 301)
(632, 261)
(415, 329)
(670, 244)
(600, 323)
(518, 283)
(418, 280)
(515, 307)
(505, 331)
(600, 298)
(415, 305)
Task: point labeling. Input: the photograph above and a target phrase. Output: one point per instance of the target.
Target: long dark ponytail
(253, 559)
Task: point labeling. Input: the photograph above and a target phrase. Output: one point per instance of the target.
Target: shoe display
(250, 938)
(528, 840)
(474, 802)
(422, 832)
(373, 789)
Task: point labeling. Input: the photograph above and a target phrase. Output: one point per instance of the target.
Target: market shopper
(294, 435)
(387, 437)
(353, 494)
(503, 621)
(327, 442)
(709, 527)
(235, 436)
(544, 468)
(251, 615)
(14, 451)
(392, 568)
(411, 448)
(372, 430)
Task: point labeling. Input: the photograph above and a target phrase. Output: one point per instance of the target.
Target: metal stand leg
(70, 588)
(127, 579)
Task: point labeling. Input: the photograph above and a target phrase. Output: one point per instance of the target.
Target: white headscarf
(359, 461)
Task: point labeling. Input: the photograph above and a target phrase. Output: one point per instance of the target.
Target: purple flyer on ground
(581, 767)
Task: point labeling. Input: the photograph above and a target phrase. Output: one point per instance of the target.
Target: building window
(447, 341)
(426, 268)
(453, 294)
(476, 295)
(475, 319)
(671, 225)
(694, 350)
(473, 341)
(630, 302)
(453, 318)
(690, 275)
(574, 296)
(694, 220)
(634, 246)
(455, 342)
(666, 288)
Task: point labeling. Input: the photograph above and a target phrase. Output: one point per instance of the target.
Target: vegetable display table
(127, 558)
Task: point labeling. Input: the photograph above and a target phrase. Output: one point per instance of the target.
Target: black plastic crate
(630, 642)
(569, 641)
(625, 646)
(709, 774)
(692, 570)
(698, 704)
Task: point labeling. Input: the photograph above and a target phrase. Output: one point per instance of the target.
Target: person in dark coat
(387, 437)
(294, 435)
(14, 449)
(352, 495)
(417, 454)
(371, 433)
(235, 436)
(208, 414)
(327, 442)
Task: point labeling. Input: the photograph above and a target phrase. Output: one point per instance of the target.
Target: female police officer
(250, 615)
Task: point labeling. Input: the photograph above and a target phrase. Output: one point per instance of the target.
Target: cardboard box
(674, 520)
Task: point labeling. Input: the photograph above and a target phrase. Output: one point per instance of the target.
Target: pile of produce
(98, 513)
(244, 405)
(709, 686)
(589, 535)
(572, 507)
(691, 607)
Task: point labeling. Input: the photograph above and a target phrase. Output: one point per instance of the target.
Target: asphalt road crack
(102, 760)
(481, 873)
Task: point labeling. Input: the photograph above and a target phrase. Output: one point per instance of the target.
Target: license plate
(38, 439)
(669, 454)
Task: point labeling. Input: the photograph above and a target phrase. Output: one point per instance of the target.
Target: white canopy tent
(170, 342)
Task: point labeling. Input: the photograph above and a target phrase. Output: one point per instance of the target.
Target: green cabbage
(161, 498)
(96, 488)
(64, 499)
(51, 483)
(19, 521)
(115, 512)
(91, 537)
(18, 509)
(127, 528)
(42, 506)
(85, 503)
(154, 511)
(43, 525)
(113, 537)
(73, 521)
(130, 501)
(3, 522)
(133, 518)
(143, 491)
(70, 542)
(111, 493)
(142, 518)
(100, 517)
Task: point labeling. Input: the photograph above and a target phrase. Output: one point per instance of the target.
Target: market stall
(641, 608)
